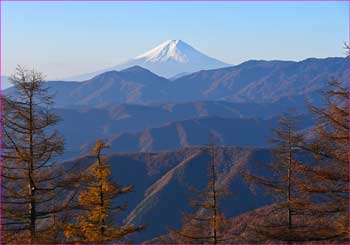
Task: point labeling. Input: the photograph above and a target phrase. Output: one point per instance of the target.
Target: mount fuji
(169, 59)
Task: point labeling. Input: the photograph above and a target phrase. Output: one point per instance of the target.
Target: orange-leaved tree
(328, 181)
(95, 222)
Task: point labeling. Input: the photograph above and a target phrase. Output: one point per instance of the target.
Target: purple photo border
(1, 52)
(174, 0)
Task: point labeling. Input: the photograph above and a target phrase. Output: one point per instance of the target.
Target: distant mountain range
(194, 132)
(242, 132)
(137, 110)
(168, 126)
(252, 81)
(169, 59)
(261, 81)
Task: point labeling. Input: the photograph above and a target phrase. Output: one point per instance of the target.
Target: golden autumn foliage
(95, 223)
(327, 183)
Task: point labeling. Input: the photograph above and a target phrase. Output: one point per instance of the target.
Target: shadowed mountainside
(162, 181)
(195, 132)
(132, 124)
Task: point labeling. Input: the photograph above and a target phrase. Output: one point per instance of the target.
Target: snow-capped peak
(175, 50)
(168, 59)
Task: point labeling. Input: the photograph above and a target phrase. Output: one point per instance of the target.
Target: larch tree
(208, 223)
(282, 181)
(95, 222)
(31, 181)
(328, 182)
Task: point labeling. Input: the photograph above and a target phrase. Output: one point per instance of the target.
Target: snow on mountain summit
(170, 49)
(168, 59)
(174, 50)
(173, 57)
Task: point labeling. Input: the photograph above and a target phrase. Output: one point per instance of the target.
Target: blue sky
(68, 38)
